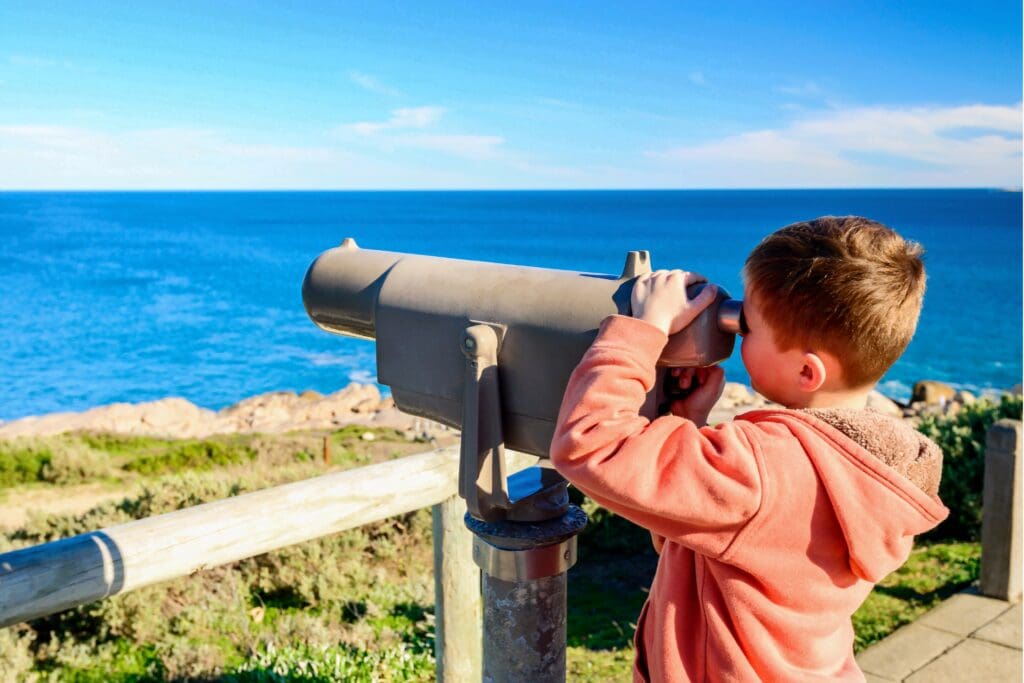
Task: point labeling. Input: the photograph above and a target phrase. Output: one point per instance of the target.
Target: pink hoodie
(776, 525)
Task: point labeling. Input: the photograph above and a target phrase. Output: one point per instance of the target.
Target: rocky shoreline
(270, 413)
(362, 404)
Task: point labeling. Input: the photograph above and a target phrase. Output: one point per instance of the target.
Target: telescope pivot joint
(533, 494)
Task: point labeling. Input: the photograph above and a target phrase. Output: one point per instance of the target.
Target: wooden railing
(56, 576)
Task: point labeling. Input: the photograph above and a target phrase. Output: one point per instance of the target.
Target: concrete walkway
(966, 638)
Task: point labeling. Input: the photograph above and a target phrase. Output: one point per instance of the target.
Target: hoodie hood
(881, 477)
(892, 441)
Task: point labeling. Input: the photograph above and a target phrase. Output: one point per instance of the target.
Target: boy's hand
(707, 385)
(660, 299)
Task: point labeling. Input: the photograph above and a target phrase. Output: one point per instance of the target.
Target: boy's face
(773, 372)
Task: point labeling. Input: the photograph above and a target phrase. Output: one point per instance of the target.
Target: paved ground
(966, 638)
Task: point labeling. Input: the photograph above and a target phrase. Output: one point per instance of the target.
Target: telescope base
(524, 585)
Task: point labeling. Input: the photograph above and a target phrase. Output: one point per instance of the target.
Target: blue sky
(98, 95)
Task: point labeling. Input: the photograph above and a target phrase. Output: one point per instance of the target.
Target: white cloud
(372, 84)
(31, 61)
(969, 146)
(42, 156)
(400, 131)
(37, 62)
(466, 146)
(411, 117)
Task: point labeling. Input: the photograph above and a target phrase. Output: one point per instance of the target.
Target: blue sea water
(110, 297)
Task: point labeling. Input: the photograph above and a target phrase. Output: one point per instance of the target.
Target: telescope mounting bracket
(533, 494)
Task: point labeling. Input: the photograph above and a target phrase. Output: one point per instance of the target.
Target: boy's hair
(847, 285)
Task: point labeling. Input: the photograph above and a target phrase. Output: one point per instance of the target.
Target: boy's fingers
(706, 296)
(694, 278)
(716, 379)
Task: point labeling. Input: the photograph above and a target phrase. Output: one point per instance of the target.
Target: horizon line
(990, 188)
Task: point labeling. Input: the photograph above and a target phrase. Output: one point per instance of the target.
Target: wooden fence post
(1001, 513)
(457, 611)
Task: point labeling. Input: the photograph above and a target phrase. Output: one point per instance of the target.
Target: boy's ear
(813, 373)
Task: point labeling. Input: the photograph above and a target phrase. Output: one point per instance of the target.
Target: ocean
(111, 296)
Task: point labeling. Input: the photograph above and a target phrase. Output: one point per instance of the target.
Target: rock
(964, 397)
(361, 396)
(277, 411)
(247, 406)
(368, 436)
(1016, 390)
(167, 413)
(883, 404)
(370, 404)
(932, 392)
(735, 394)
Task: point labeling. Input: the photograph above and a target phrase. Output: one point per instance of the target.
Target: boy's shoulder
(887, 439)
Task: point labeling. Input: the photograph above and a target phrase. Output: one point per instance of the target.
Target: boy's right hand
(707, 385)
(660, 299)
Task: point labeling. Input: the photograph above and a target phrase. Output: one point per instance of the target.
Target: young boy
(773, 528)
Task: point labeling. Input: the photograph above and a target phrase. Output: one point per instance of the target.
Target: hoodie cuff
(637, 337)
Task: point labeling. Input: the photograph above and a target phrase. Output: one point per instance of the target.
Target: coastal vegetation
(358, 606)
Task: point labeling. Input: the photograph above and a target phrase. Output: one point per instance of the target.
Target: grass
(934, 572)
(357, 606)
(80, 458)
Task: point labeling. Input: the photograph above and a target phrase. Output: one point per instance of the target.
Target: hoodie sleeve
(695, 486)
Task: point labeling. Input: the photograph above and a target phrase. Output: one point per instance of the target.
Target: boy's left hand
(707, 385)
(660, 299)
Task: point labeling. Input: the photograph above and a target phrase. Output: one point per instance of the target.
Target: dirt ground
(18, 504)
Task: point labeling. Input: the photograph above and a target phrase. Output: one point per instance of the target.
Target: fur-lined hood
(892, 441)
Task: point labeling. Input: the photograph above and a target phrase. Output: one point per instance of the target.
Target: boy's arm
(696, 486)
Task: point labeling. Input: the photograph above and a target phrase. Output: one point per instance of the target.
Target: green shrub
(340, 663)
(16, 658)
(72, 462)
(122, 443)
(22, 461)
(192, 455)
(962, 439)
(608, 533)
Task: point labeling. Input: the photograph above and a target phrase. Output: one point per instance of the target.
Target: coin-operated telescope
(488, 349)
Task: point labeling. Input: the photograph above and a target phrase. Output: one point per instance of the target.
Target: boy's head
(846, 286)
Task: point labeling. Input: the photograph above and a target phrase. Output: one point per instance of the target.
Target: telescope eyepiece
(731, 318)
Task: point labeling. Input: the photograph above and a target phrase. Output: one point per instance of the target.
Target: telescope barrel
(417, 308)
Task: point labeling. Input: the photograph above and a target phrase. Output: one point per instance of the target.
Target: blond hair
(847, 285)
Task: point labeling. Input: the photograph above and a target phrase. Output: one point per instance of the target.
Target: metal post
(524, 593)
(524, 531)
